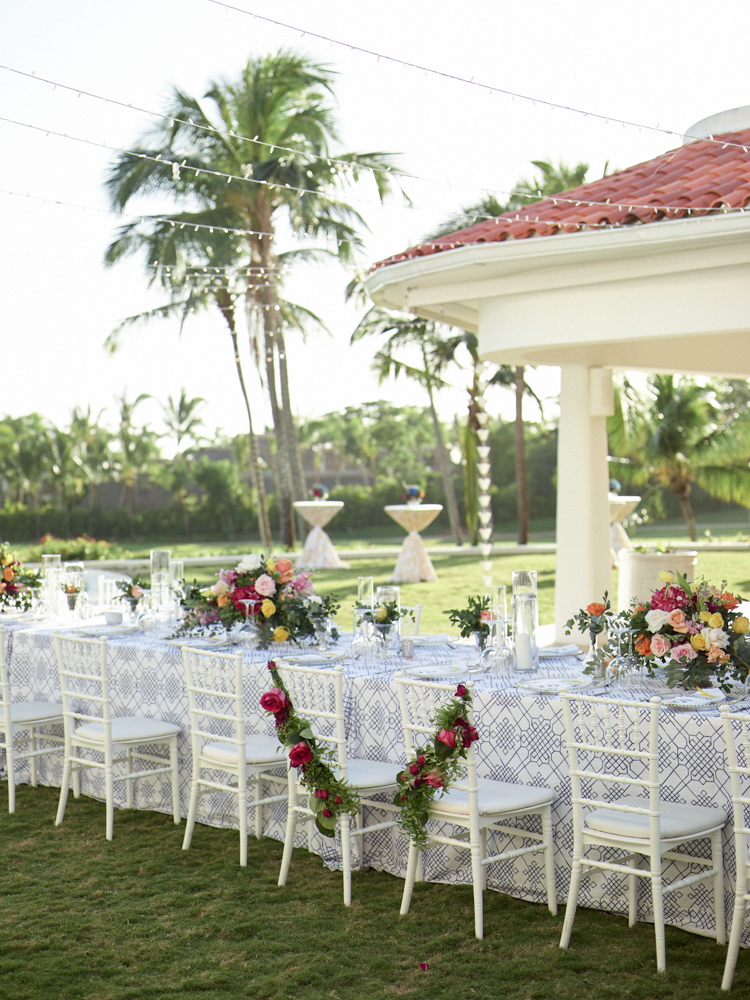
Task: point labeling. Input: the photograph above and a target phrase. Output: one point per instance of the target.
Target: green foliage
(470, 619)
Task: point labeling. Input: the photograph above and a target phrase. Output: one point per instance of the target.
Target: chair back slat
(737, 738)
(82, 666)
(214, 686)
(318, 695)
(5, 697)
(613, 741)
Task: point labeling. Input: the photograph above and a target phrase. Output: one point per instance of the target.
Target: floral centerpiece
(266, 591)
(694, 629)
(473, 620)
(15, 581)
(596, 618)
(131, 591)
(432, 769)
(413, 495)
(387, 613)
(319, 492)
(329, 796)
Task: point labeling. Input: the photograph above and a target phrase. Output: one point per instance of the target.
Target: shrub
(73, 549)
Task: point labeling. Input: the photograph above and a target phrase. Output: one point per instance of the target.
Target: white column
(583, 570)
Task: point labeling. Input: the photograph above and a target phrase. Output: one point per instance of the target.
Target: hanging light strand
(443, 74)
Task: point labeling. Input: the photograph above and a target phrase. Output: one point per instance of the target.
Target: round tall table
(318, 551)
(413, 564)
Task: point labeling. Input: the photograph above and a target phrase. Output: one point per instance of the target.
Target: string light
(491, 89)
(290, 187)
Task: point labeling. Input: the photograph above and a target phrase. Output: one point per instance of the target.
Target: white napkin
(428, 640)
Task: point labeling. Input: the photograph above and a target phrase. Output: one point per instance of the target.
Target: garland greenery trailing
(328, 795)
(433, 768)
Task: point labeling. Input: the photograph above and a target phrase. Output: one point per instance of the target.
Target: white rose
(314, 599)
(655, 619)
(716, 637)
(248, 563)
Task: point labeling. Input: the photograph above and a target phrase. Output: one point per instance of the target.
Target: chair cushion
(371, 773)
(130, 729)
(677, 820)
(259, 749)
(34, 711)
(495, 797)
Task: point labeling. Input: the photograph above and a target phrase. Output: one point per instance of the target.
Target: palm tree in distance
(553, 179)
(676, 437)
(271, 131)
(405, 331)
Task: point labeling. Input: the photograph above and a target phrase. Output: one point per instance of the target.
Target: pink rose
(448, 737)
(434, 779)
(660, 644)
(469, 735)
(264, 585)
(683, 652)
(303, 585)
(677, 620)
(485, 616)
(300, 754)
(136, 591)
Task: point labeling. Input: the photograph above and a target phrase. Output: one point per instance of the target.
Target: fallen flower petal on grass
(424, 966)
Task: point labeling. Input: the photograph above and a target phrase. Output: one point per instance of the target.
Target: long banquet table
(521, 740)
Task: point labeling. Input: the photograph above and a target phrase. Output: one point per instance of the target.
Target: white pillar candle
(523, 652)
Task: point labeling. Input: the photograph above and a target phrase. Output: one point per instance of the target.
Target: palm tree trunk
(444, 465)
(256, 473)
(522, 489)
(687, 513)
(283, 469)
(299, 487)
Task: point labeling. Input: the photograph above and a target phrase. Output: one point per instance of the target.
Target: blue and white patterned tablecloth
(521, 740)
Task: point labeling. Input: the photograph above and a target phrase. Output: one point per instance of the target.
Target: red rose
(421, 760)
(321, 793)
(460, 691)
(300, 754)
(469, 735)
(327, 812)
(434, 779)
(274, 701)
(245, 594)
(337, 800)
(448, 737)
(271, 664)
(413, 769)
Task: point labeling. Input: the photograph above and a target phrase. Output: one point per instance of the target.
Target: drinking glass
(499, 601)
(524, 582)
(160, 578)
(365, 590)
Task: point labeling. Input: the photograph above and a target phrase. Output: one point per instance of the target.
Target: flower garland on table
(282, 603)
(328, 795)
(430, 772)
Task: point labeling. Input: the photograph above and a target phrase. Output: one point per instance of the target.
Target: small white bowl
(113, 617)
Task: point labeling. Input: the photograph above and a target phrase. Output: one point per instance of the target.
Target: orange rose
(8, 574)
(2, 586)
(283, 565)
(223, 599)
(643, 645)
(729, 601)
(596, 608)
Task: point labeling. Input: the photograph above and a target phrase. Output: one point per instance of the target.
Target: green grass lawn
(139, 919)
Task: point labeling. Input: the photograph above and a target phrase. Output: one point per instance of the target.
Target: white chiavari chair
(410, 621)
(225, 756)
(479, 805)
(737, 737)
(318, 696)
(24, 726)
(616, 742)
(90, 726)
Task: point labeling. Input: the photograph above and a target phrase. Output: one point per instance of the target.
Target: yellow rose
(7, 560)
(381, 614)
(270, 565)
(280, 634)
(705, 616)
(741, 625)
(698, 642)
(666, 576)
(716, 621)
(268, 608)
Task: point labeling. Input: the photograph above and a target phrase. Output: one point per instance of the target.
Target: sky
(654, 63)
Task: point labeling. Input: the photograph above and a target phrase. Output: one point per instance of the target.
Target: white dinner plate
(434, 671)
(313, 659)
(97, 631)
(570, 650)
(428, 640)
(696, 701)
(554, 685)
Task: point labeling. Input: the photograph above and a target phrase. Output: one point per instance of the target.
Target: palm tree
(182, 419)
(256, 157)
(553, 180)
(406, 331)
(676, 437)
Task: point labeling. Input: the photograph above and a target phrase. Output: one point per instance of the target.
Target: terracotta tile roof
(696, 179)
